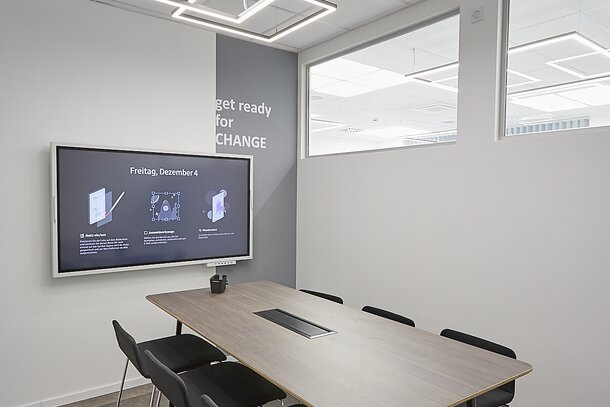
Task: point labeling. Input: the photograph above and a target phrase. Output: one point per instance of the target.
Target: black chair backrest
(483, 344)
(168, 382)
(389, 315)
(207, 402)
(329, 297)
(129, 347)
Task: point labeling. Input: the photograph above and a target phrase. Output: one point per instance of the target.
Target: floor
(140, 397)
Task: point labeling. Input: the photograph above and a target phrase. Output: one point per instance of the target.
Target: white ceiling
(349, 14)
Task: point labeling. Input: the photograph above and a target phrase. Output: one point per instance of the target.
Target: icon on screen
(165, 206)
(101, 206)
(219, 204)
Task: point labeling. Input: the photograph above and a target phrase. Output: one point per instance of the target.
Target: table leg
(471, 403)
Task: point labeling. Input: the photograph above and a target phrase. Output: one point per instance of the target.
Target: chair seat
(494, 398)
(182, 352)
(230, 384)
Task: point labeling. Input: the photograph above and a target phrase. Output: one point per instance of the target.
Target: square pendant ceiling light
(191, 12)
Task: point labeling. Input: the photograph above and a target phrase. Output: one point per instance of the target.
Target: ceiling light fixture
(325, 125)
(345, 89)
(183, 6)
(431, 71)
(548, 103)
(573, 35)
(189, 5)
(530, 79)
(380, 79)
(561, 86)
(556, 64)
(447, 79)
(592, 96)
(435, 85)
(391, 132)
(342, 69)
(319, 81)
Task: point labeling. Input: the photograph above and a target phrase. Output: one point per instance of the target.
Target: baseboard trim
(87, 394)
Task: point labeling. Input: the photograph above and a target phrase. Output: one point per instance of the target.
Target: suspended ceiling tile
(601, 15)
(295, 6)
(352, 13)
(587, 4)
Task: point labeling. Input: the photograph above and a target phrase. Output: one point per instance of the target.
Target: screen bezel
(55, 146)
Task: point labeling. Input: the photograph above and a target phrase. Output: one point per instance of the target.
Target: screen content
(125, 208)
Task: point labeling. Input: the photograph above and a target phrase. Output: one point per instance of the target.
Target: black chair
(178, 352)
(389, 315)
(227, 384)
(329, 297)
(503, 394)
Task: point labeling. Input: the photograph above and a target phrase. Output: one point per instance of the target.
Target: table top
(370, 361)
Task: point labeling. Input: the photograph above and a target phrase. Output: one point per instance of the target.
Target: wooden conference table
(369, 361)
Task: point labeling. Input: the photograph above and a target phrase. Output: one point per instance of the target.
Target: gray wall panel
(252, 73)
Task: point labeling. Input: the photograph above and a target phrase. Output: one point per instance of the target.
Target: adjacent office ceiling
(281, 13)
(577, 57)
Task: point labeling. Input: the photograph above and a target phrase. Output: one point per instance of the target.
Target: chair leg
(118, 402)
(152, 396)
(159, 398)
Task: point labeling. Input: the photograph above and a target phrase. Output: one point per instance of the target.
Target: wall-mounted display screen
(116, 210)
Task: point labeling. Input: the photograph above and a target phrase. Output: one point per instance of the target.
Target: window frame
(385, 37)
(503, 91)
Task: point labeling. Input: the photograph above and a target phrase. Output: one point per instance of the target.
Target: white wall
(504, 239)
(76, 71)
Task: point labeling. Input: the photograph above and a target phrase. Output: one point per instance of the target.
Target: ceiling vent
(565, 124)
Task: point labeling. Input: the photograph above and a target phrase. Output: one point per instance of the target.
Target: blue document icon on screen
(218, 206)
(97, 206)
(101, 207)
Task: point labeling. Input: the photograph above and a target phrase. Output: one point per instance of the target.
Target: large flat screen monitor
(118, 210)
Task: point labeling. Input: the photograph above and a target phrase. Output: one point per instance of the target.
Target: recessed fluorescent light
(345, 89)
(342, 69)
(548, 103)
(322, 125)
(435, 108)
(561, 86)
(540, 118)
(431, 71)
(391, 132)
(380, 79)
(435, 85)
(239, 18)
(529, 79)
(450, 78)
(319, 81)
(419, 75)
(593, 96)
(556, 64)
(557, 39)
(179, 14)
